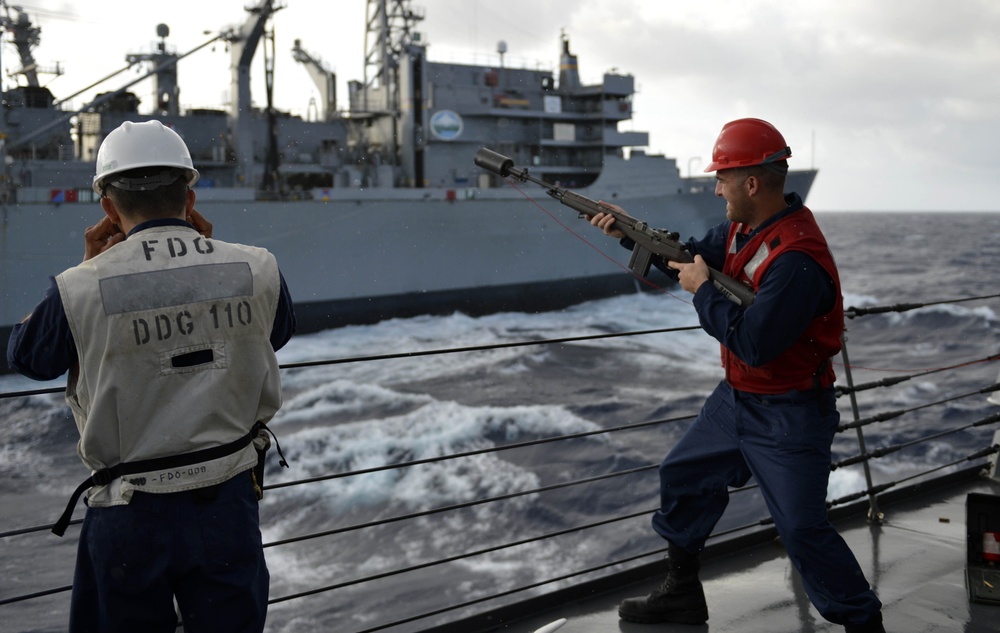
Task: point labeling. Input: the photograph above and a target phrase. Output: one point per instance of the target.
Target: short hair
(770, 175)
(164, 201)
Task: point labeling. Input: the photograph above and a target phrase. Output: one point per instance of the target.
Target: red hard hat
(746, 142)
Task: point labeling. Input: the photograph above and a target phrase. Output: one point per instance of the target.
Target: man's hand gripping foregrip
(648, 241)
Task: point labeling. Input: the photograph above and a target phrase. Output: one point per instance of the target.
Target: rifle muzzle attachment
(491, 161)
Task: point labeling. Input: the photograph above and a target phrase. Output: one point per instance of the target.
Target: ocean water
(353, 416)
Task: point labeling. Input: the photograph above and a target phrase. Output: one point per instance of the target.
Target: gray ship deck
(915, 560)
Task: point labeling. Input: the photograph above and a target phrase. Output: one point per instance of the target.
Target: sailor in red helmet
(774, 416)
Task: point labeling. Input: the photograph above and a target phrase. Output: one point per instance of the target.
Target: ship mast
(25, 36)
(167, 90)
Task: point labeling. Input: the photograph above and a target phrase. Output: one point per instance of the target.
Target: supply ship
(375, 210)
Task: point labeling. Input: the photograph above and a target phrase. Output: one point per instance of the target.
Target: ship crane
(395, 85)
(242, 45)
(389, 32)
(325, 80)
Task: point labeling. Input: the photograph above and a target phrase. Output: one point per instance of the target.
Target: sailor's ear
(111, 210)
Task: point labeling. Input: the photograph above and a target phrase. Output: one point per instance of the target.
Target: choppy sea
(358, 415)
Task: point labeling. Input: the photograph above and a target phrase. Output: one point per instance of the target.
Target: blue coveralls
(782, 441)
(201, 546)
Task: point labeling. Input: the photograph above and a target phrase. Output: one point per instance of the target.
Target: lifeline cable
(853, 311)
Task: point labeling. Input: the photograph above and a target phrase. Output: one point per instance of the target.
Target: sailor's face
(731, 186)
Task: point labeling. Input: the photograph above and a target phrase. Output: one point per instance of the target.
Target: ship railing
(478, 609)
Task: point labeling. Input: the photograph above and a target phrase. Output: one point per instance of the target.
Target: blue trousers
(784, 443)
(202, 547)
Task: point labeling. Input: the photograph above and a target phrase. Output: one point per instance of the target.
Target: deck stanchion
(874, 514)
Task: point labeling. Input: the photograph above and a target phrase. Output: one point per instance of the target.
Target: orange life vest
(806, 363)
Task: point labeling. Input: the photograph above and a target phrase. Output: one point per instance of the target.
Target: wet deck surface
(916, 561)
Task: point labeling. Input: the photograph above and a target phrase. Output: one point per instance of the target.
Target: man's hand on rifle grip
(691, 275)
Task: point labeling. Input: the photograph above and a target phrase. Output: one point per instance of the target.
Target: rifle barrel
(648, 241)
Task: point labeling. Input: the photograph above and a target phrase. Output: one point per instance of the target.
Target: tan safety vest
(172, 334)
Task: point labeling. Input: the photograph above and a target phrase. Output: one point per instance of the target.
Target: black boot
(680, 599)
(871, 626)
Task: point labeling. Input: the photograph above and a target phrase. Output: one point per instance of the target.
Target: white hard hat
(132, 145)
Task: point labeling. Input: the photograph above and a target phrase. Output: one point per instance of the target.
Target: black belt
(105, 476)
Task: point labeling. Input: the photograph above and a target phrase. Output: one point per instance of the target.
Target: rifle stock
(648, 241)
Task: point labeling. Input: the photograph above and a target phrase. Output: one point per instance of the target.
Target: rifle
(648, 241)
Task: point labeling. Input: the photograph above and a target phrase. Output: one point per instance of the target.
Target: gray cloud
(901, 95)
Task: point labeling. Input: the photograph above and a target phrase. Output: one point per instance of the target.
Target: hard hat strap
(145, 183)
(781, 154)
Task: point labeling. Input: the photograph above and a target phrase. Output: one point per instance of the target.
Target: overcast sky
(897, 102)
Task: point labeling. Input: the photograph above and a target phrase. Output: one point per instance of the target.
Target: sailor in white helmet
(169, 339)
